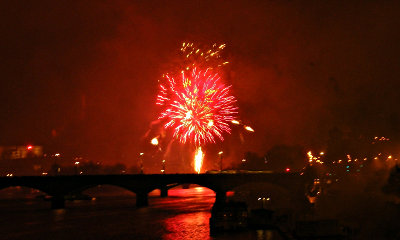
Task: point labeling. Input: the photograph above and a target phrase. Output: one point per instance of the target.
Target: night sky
(81, 77)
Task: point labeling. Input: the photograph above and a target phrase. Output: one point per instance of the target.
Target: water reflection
(183, 215)
(187, 226)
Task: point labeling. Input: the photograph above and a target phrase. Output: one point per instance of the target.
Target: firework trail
(198, 159)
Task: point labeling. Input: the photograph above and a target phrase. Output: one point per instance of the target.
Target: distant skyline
(81, 77)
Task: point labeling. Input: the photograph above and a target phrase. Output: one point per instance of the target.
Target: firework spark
(195, 56)
(198, 106)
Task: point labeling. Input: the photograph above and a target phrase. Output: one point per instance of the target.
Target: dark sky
(82, 76)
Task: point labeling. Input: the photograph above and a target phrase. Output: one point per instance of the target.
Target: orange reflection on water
(191, 192)
(192, 209)
(188, 226)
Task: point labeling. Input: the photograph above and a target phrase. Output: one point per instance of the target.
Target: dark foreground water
(113, 215)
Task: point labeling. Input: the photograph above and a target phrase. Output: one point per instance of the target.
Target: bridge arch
(185, 185)
(220, 195)
(181, 181)
(20, 191)
(26, 186)
(100, 188)
(140, 192)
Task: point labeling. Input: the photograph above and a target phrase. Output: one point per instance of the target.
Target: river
(184, 215)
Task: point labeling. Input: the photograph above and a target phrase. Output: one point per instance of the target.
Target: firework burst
(198, 106)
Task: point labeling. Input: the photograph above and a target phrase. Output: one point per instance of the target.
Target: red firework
(197, 106)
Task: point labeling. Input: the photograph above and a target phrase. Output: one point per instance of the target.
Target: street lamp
(76, 168)
(263, 199)
(163, 167)
(141, 162)
(220, 160)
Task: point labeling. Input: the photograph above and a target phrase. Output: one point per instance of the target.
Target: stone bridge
(141, 184)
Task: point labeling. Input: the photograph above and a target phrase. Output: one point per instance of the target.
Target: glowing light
(235, 122)
(57, 155)
(248, 128)
(310, 156)
(287, 169)
(154, 141)
(76, 163)
(220, 153)
(198, 159)
(29, 147)
(321, 153)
